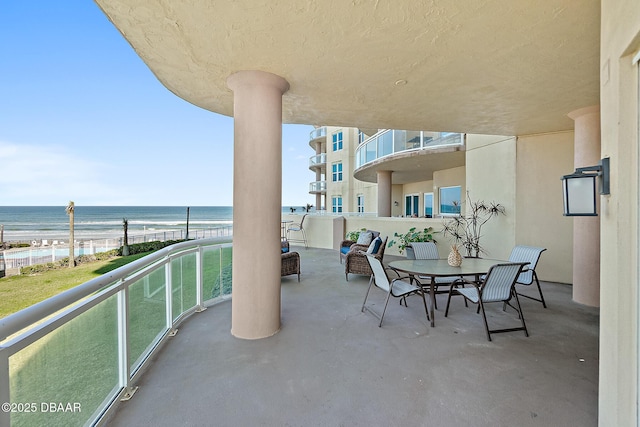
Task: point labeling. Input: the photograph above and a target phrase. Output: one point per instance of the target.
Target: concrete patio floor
(331, 365)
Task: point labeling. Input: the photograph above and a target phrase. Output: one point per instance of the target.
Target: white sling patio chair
(298, 228)
(397, 288)
(497, 286)
(531, 255)
(429, 250)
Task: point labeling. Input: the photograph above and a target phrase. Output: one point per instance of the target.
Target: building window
(336, 172)
(411, 205)
(361, 137)
(337, 141)
(360, 203)
(336, 204)
(450, 200)
(428, 205)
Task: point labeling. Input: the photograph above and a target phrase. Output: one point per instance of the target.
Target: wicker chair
(290, 261)
(290, 264)
(346, 246)
(356, 263)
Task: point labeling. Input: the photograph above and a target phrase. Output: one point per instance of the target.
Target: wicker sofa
(356, 263)
(290, 261)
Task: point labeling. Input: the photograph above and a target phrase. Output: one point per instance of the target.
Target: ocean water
(27, 223)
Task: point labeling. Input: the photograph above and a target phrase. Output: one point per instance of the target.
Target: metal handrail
(396, 142)
(21, 329)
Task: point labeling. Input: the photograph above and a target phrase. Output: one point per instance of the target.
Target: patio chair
(429, 250)
(290, 264)
(531, 255)
(356, 262)
(397, 288)
(347, 245)
(298, 228)
(497, 286)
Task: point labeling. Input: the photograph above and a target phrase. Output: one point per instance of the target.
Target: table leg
(432, 295)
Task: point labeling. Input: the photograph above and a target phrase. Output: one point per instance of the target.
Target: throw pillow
(364, 238)
(374, 247)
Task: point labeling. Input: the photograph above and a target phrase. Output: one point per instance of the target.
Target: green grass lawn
(18, 292)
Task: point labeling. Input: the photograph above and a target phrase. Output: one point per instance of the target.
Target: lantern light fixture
(579, 189)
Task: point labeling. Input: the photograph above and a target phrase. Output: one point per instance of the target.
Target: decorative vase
(454, 259)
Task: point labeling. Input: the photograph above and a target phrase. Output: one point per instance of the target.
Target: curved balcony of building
(412, 155)
(319, 161)
(318, 187)
(317, 135)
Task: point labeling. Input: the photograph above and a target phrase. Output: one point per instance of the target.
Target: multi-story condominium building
(335, 188)
(421, 172)
(538, 89)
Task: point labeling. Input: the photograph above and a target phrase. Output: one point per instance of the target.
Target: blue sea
(27, 223)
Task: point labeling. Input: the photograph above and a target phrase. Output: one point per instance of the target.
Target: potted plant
(353, 235)
(466, 230)
(404, 240)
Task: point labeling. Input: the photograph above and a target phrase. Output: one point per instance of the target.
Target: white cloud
(52, 175)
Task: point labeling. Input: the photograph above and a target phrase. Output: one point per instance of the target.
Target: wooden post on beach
(70, 211)
(1, 235)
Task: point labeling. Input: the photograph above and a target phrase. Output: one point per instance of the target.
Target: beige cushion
(365, 238)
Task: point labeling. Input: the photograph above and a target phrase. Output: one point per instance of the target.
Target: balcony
(318, 187)
(318, 133)
(318, 161)
(330, 364)
(411, 155)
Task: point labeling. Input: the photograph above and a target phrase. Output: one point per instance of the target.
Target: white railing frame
(19, 330)
(374, 140)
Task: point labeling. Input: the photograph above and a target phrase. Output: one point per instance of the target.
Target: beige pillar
(384, 193)
(586, 230)
(257, 199)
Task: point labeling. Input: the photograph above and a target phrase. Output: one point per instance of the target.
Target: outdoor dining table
(434, 268)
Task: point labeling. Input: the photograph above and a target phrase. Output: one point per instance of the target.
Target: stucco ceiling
(508, 67)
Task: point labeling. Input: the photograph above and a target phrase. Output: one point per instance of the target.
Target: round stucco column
(586, 230)
(384, 193)
(257, 199)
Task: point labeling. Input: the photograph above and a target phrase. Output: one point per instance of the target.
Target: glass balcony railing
(318, 160)
(87, 346)
(390, 141)
(318, 133)
(318, 187)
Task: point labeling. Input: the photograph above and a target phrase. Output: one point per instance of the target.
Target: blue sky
(83, 119)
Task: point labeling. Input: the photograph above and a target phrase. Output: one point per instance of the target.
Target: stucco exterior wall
(619, 111)
(491, 176)
(541, 161)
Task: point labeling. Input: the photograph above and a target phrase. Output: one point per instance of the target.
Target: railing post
(124, 371)
(5, 392)
(169, 302)
(199, 280)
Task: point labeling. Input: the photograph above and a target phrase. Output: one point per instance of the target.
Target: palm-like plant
(466, 230)
(125, 246)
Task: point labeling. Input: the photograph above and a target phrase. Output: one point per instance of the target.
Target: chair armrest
(346, 243)
(397, 273)
(356, 247)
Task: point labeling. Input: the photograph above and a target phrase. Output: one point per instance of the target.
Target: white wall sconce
(579, 189)
(396, 203)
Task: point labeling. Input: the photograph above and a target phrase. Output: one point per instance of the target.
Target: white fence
(44, 252)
